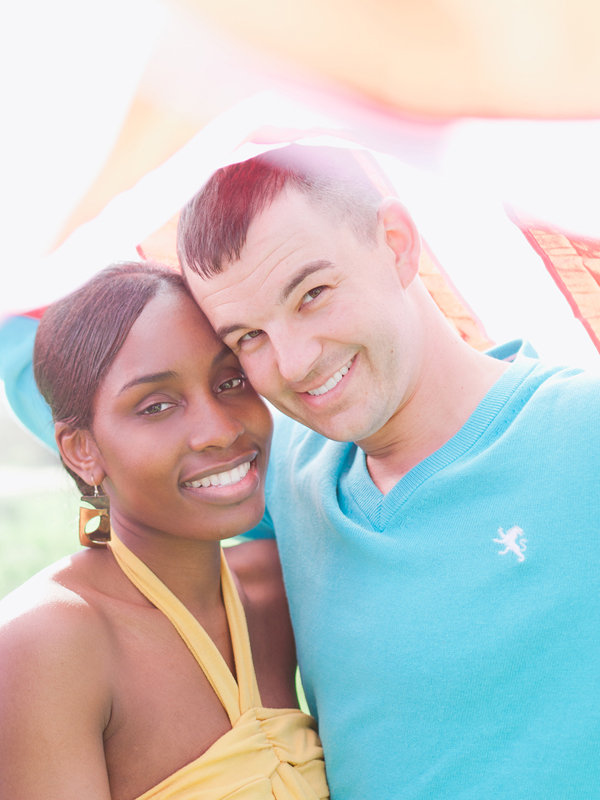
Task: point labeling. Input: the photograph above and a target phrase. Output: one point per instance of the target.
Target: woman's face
(182, 437)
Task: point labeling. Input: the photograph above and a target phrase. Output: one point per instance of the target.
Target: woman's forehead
(170, 334)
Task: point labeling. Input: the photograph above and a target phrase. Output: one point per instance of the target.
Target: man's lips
(332, 381)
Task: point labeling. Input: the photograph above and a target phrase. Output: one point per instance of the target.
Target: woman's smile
(227, 486)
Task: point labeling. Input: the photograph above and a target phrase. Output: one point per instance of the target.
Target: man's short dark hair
(213, 225)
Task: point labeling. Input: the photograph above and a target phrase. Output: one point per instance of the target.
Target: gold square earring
(94, 519)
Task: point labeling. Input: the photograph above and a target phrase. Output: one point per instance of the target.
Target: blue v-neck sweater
(448, 633)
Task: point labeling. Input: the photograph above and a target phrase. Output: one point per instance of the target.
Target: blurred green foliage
(35, 530)
(38, 505)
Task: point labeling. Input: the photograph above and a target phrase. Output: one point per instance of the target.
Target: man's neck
(448, 393)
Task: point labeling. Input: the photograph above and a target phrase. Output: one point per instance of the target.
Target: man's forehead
(285, 237)
(289, 209)
(281, 243)
(240, 280)
(275, 237)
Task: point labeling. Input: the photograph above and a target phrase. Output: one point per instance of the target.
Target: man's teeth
(234, 475)
(333, 381)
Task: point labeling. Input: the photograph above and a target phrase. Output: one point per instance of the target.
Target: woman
(113, 685)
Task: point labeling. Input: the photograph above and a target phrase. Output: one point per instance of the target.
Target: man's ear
(401, 236)
(80, 452)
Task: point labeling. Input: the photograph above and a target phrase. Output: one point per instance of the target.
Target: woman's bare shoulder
(51, 616)
(55, 687)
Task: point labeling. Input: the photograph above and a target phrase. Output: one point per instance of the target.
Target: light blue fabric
(448, 633)
(17, 335)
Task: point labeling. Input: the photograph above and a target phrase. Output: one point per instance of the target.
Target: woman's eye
(156, 408)
(232, 383)
(312, 294)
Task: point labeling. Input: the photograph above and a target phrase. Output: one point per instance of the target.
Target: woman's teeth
(333, 381)
(234, 475)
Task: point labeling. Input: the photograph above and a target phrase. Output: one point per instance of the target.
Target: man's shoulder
(302, 462)
(288, 434)
(544, 377)
(577, 386)
(557, 406)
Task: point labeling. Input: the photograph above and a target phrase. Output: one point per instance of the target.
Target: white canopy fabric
(118, 115)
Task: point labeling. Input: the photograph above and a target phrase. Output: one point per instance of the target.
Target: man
(438, 526)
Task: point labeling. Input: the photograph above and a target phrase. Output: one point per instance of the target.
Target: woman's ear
(79, 452)
(401, 236)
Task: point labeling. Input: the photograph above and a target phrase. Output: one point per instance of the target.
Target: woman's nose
(213, 424)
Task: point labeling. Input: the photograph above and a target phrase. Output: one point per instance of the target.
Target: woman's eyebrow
(223, 353)
(153, 377)
(158, 377)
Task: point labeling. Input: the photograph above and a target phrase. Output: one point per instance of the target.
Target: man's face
(321, 320)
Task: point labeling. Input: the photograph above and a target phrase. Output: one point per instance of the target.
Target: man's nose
(296, 353)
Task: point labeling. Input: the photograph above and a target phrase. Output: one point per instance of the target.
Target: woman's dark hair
(80, 335)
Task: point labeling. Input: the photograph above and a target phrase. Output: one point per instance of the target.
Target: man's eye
(310, 295)
(156, 408)
(232, 383)
(250, 335)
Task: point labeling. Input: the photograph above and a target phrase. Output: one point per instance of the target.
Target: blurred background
(38, 505)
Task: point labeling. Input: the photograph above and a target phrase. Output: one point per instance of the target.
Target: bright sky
(69, 70)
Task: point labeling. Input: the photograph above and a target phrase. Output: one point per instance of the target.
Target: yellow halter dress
(269, 752)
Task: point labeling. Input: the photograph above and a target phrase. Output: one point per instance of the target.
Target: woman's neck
(190, 568)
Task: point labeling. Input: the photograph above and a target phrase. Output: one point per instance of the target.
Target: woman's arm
(54, 704)
(258, 569)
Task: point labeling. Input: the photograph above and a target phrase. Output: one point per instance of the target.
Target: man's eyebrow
(153, 377)
(225, 330)
(308, 269)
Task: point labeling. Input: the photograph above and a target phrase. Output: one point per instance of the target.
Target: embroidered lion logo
(513, 541)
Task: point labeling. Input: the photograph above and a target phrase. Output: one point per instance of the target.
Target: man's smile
(333, 381)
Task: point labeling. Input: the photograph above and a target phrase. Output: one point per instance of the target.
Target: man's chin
(336, 430)
(335, 426)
